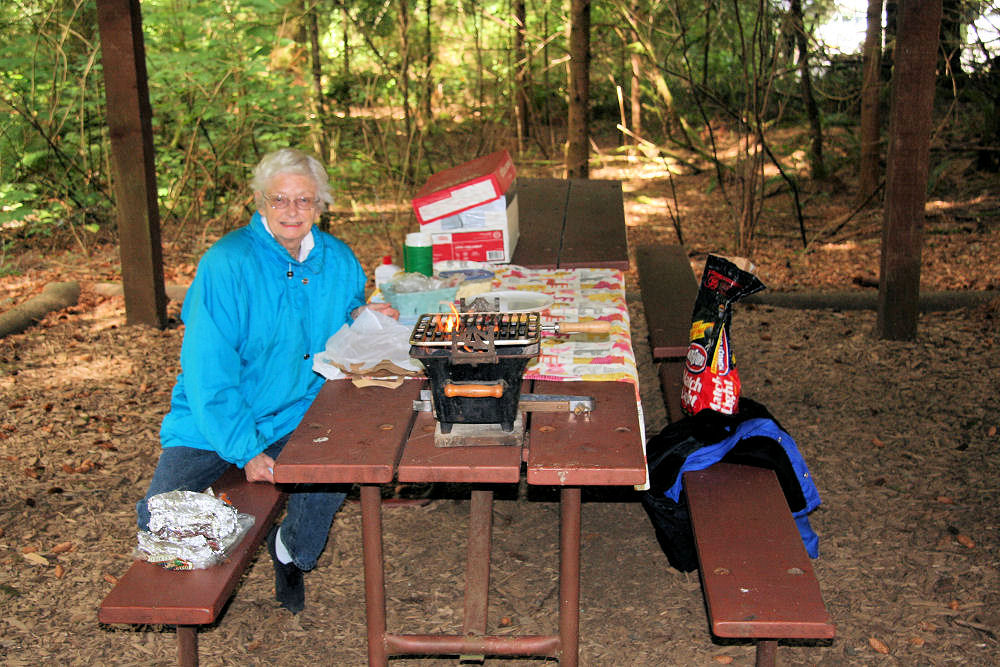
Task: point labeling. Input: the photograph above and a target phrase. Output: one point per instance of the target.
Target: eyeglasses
(279, 202)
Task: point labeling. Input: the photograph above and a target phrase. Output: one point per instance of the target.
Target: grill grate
(438, 330)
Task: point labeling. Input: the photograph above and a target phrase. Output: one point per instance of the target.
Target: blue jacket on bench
(752, 437)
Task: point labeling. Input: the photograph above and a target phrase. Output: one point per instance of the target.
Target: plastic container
(412, 305)
(418, 254)
(385, 271)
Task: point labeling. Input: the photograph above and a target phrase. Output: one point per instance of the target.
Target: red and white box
(492, 243)
(463, 186)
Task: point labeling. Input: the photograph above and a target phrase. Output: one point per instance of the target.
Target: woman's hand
(260, 469)
(384, 308)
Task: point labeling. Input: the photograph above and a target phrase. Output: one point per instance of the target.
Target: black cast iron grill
(475, 362)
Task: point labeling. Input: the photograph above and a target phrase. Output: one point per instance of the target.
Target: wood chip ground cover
(900, 437)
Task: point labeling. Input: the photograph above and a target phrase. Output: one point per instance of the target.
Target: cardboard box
(494, 243)
(489, 215)
(464, 186)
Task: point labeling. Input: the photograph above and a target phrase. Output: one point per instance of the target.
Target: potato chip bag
(710, 376)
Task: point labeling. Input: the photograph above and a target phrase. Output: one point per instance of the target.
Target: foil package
(710, 377)
(190, 530)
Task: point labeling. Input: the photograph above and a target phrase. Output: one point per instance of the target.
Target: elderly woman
(265, 298)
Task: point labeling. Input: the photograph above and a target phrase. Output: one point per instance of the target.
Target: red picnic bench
(756, 575)
(668, 289)
(757, 579)
(148, 594)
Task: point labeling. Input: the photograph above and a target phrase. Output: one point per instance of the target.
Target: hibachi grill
(475, 361)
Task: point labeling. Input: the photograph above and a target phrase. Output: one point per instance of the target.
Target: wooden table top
(371, 435)
(571, 224)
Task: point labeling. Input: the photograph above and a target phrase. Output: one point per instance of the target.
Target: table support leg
(569, 575)
(371, 539)
(767, 653)
(187, 645)
(477, 570)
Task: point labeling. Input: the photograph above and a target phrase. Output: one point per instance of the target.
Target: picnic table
(344, 438)
(569, 224)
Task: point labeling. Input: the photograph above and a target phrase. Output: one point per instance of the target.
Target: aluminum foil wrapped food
(710, 377)
(190, 530)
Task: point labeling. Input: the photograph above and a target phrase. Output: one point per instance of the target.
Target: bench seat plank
(755, 572)
(669, 290)
(150, 594)
(671, 374)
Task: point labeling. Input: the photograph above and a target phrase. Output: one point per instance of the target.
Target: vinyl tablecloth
(578, 295)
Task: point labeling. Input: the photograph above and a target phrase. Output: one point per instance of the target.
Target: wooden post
(134, 171)
(908, 167)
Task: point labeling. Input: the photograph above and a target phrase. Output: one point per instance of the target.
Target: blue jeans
(308, 517)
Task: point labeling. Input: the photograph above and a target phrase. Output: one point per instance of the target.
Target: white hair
(291, 161)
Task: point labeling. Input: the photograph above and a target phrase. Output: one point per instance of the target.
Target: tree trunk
(520, 74)
(817, 165)
(428, 63)
(908, 167)
(578, 134)
(345, 18)
(322, 143)
(54, 296)
(891, 22)
(403, 80)
(635, 93)
(869, 168)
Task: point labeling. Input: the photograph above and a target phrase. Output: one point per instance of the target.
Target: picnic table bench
(756, 576)
(148, 594)
(669, 289)
(755, 573)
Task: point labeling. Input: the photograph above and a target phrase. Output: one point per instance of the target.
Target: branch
(838, 224)
(791, 183)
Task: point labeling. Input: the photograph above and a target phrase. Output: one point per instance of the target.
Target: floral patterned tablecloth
(578, 295)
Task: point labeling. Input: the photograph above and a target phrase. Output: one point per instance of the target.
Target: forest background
(387, 92)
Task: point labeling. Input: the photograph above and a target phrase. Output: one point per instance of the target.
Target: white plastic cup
(418, 254)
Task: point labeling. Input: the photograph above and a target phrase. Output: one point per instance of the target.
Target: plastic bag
(407, 283)
(374, 344)
(189, 530)
(711, 380)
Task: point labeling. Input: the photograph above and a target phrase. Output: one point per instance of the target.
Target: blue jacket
(766, 428)
(253, 318)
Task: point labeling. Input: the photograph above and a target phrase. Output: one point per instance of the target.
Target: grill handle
(589, 327)
(473, 390)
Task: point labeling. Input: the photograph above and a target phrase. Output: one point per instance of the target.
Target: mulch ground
(901, 438)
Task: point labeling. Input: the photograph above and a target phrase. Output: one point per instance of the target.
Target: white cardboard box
(494, 241)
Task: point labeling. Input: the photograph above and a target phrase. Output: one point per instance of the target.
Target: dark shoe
(289, 589)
